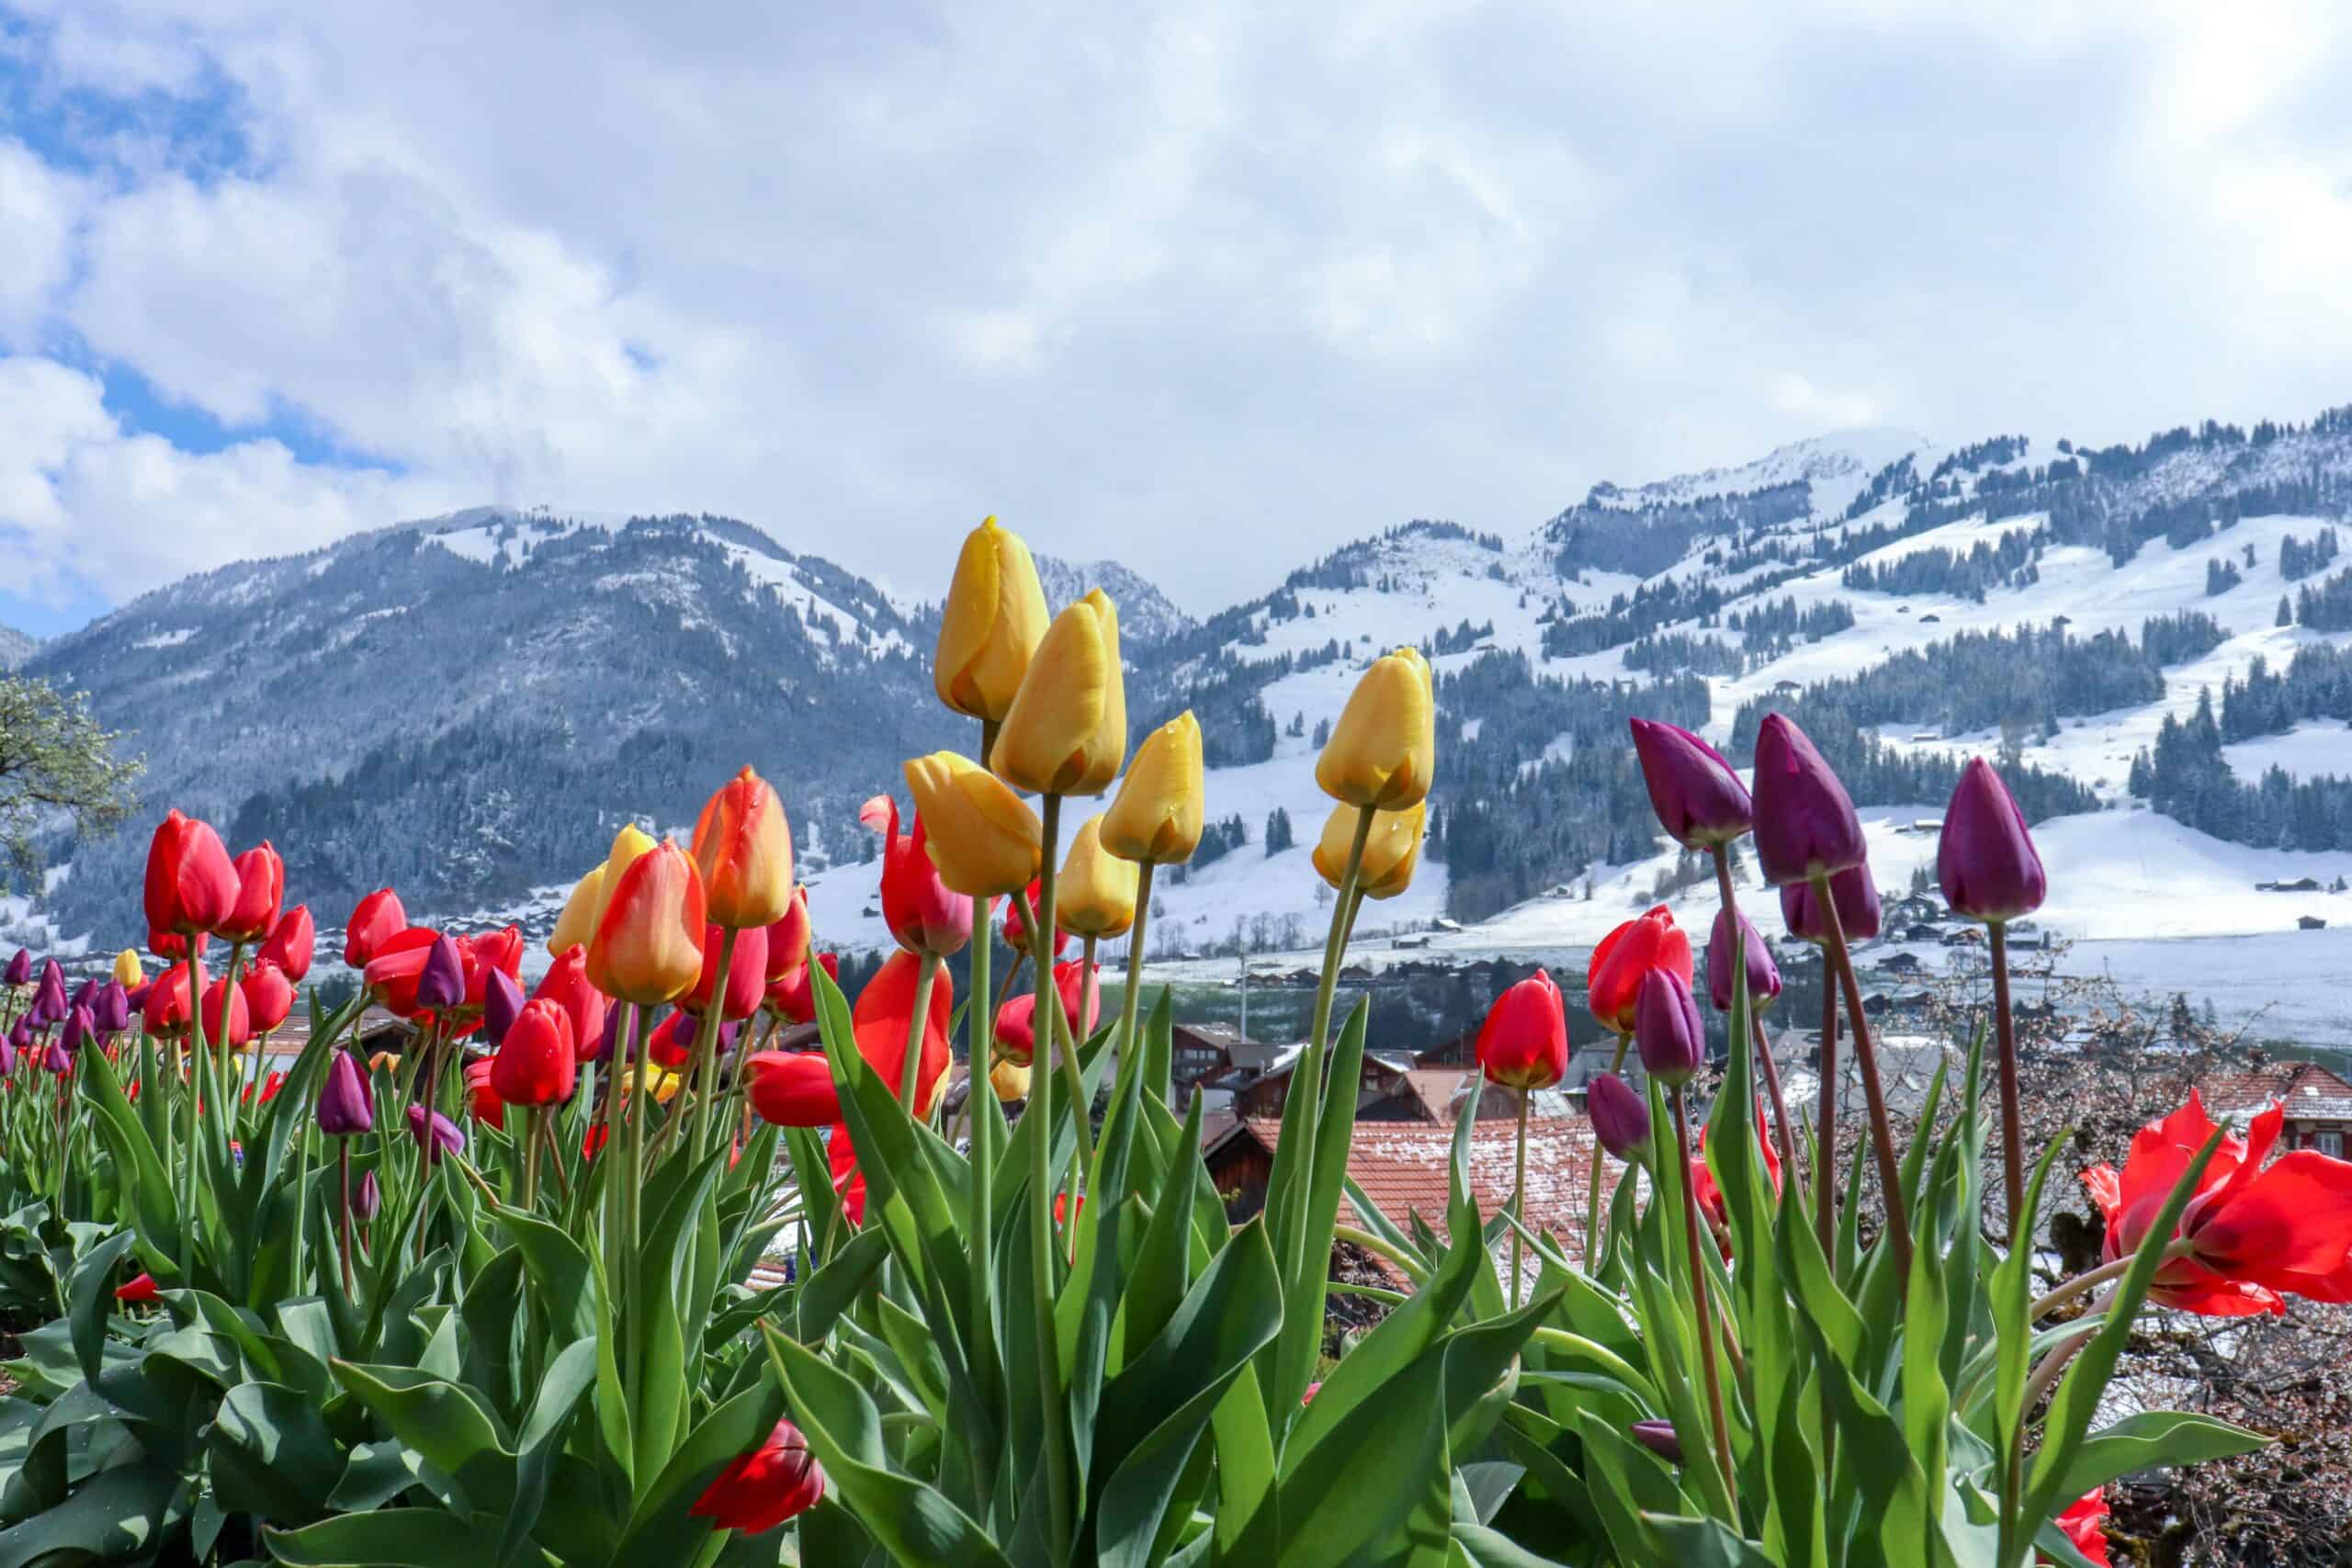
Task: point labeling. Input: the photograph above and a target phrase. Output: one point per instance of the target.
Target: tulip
(127, 973)
(8, 1049)
(1614, 980)
(577, 923)
(629, 844)
(502, 1000)
(609, 1044)
(111, 1011)
(1806, 824)
(1659, 1438)
(2084, 1523)
(742, 846)
(794, 1089)
(345, 1107)
(1985, 859)
(566, 985)
(1384, 748)
(1016, 1019)
(1621, 1117)
(2253, 1233)
(435, 1133)
(1697, 795)
(787, 944)
(1392, 852)
(441, 983)
(20, 968)
(1667, 1028)
(1523, 1044)
(991, 624)
(746, 973)
(291, 942)
(140, 1289)
(794, 996)
(261, 887)
(536, 1064)
(1763, 975)
(50, 1002)
(1016, 1032)
(371, 1198)
(268, 995)
(79, 1028)
(167, 1011)
(56, 1060)
(172, 947)
(1156, 818)
(982, 838)
(760, 1490)
(1021, 919)
(1011, 1080)
(884, 1017)
(1066, 732)
(649, 942)
(228, 1022)
(1852, 892)
(398, 967)
(375, 919)
(1095, 896)
(923, 915)
(1710, 1196)
(673, 1044)
(191, 886)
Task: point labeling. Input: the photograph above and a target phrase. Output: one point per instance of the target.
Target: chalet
(1931, 619)
(2301, 885)
(378, 1030)
(2310, 923)
(1786, 688)
(1203, 1051)
(2317, 1103)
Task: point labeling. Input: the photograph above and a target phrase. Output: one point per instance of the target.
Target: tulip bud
(20, 968)
(169, 1010)
(1805, 820)
(1697, 795)
(536, 1064)
(345, 1105)
(375, 919)
(1391, 854)
(1020, 920)
(760, 1490)
(8, 1049)
(1010, 1080)
(627, 844)
(1066, 732)
(1384, 748)
(370, 1198)
(1852, 892)
(1763, 975)
(746, 973)
(291, 942)
(502, 1000)
(269, 996)
(566, 985)
(1621, 1117)
(577, 923)
(649, 942)
(191, 886)
(435, 1133)
(50, 1002)
(1096, 893)
(742, 846)
(79, 1028)
(228, 1024)
(111, 1011)
(442, 982)
(794, 1089)
(982, 839)
(990, 626)
(609, 1044)
(1613, 979)
(1667, 1028)
(482, 1102)
(1658, 1436)
(1524, 1041)
(884, 1018)
(794, 996)
(127, 973)
(787, 945)
(923, 915)
(261, 886)
(1985, 859)
(1156, 818)
(1016, 1029)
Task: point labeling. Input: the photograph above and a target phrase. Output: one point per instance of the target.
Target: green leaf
(271, 1454)
(2151, 1438)
(395, 1538)
(446, 1423)
(115, 1515)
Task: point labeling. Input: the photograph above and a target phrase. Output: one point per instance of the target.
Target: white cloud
(38, 207)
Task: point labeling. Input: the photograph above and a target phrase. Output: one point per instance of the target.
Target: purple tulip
(1763, 975)
(607, 1041)
(368, 1199)
(1852, 892)
(111, 1011)
(1985, 859)
(79, 1028)
(1698, 797)
(1659, 1438)
(82, 993)
(21, 1035)
(7, 1060)
(443, 1136)
(20, 968)
(49, 1005)
(442, 984)
(1621, 1117)
(1805, 820)
(136, 998)
(1667, 1028)
(56, 1060)
(727, 1033)
(345, 1105)
(502, 1000)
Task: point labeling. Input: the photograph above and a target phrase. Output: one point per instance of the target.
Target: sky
(1210, 287)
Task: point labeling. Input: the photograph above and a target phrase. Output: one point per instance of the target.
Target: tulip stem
(610, 1148)
(910, 1065)
(1738, 934)
(555, 1155)
(1702, 1294)
(2021, 1226)
(1890, 1168)
(195, 1100)
(1593, 1205)
(342, 1168)
(1129, 1003)
(531, 1124)
(1824, 1176)
(1307, 1084)
(1519, 1197)
(704, 1077)
(1052, 1454)
(986, 1123)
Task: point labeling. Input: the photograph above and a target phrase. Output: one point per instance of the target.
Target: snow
(172, 638)
(2308, 749)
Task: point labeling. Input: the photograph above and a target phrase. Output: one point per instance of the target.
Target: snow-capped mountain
(2152, 638)
(15, 647)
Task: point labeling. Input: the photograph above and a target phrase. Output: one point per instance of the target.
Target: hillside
(15, 647)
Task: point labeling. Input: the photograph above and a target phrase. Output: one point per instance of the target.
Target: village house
(2318, 1102)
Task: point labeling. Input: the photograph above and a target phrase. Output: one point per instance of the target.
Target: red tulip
(481, 1096)
(762, 1489)
(269, 996)
(672, 1046)
(1613, 979)
(746, 973)
(794, 996)
(396, 965)
(167, 1013)
(2253, 1235)
(794, 1089)
(883, 1017)
(566, 985)
(289, 944)
(789, 938)
(375, 920)
(922, 915)
(1061, 1207)
(592, 1143)
(173, 947)
(1524, 1041)
(840, 1156)
(2084, 1523)
(269, 1087)
(1711, 1197)
(261, 887)
(1020, 911)
(1016, 1032)
(1016, 1020)
(191, 886)
(141, 1289)
(537, 1062)
(227, 1021)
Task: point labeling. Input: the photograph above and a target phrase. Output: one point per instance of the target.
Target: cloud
(1211, 290)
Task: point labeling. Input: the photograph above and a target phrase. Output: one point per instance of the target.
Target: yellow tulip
(578, 922)
(1156, 817)
(994, 615)
(627, 844)
(1382, 751)
(1390, 855)
(743, 848)
(384, 1062)
(127, 973)
(983, 840)
(648, 947)
(1011, 1081)
(1066, 730)
(665, 1084)
(1096, 893)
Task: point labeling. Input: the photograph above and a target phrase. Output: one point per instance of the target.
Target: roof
(2307, 1089)
(289, 1038)
(1437, 1087)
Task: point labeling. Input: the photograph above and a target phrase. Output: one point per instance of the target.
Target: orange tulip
(743, 849)
(648, 948)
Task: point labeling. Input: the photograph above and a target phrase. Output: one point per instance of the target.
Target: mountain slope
(15, 647)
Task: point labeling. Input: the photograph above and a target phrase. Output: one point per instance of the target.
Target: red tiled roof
(2303, 1083)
